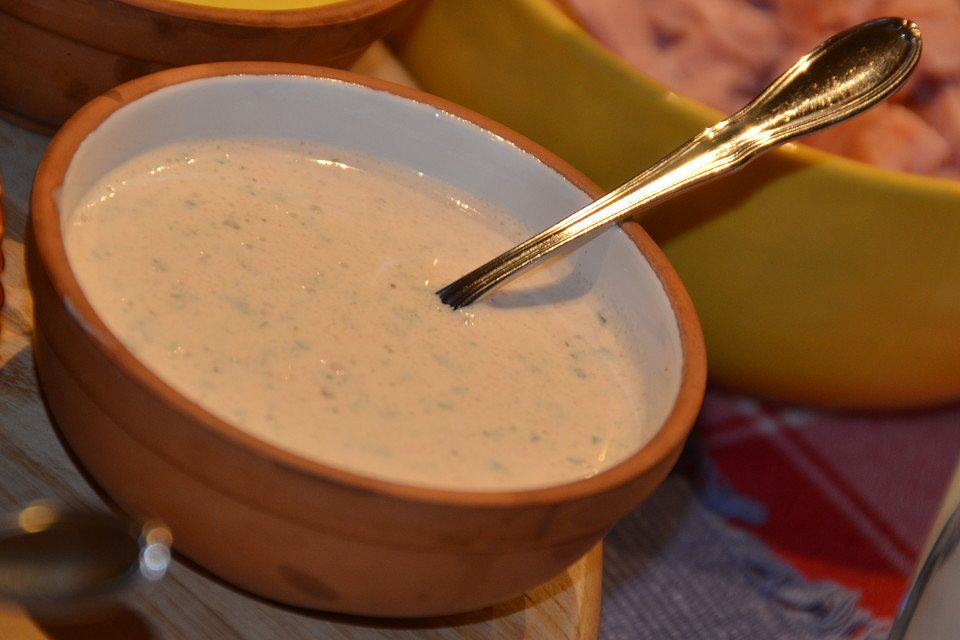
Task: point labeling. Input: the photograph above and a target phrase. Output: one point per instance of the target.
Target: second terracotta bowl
(56, 56)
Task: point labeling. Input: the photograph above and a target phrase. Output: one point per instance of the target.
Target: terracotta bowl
(818, 279)
(56, 56)
(283, 526)
(2, 231)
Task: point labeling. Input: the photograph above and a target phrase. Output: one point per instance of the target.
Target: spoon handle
(845, 75)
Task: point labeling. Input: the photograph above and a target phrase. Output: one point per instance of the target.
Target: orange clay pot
(273, 523)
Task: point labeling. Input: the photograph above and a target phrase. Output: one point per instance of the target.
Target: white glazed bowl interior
(419, 135)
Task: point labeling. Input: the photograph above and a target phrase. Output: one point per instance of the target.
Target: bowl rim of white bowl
(45, 219)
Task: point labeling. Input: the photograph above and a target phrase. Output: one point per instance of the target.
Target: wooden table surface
(189, 603)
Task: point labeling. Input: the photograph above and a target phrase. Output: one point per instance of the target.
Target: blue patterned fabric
(674, 569)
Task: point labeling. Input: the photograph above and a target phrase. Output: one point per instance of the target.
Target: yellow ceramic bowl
(818, 279)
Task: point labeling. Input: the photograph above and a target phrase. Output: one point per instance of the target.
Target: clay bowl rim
(337, 12)
(45, 220)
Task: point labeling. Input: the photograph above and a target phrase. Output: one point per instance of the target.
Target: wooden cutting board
(189, 603)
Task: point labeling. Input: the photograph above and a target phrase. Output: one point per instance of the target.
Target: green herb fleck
(496, 465)
(240, 305)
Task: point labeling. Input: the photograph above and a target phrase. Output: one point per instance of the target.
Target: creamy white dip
(288, 288)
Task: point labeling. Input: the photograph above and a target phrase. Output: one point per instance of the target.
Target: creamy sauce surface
(288, 288)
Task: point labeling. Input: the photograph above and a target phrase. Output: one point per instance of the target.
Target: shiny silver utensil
(929, 608)
(53, 560)
(845, 75)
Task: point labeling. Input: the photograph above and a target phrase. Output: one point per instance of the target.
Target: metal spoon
(845, 75)
(928, 606)
(53, 560)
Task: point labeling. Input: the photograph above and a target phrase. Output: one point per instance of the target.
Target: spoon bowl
(55, 560)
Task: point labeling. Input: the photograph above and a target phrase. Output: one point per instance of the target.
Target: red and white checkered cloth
(848, 498)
